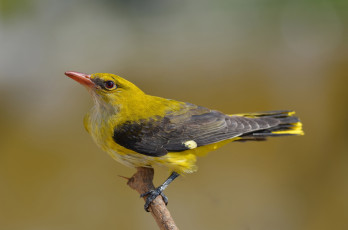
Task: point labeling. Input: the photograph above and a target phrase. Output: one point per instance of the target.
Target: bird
(140, 130)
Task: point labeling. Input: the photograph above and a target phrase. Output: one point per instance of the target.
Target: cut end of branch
(124, 177)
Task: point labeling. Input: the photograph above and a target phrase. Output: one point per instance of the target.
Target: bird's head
(107, 87)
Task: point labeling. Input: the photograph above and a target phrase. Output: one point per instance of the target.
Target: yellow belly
(180, 162)
(99, 126)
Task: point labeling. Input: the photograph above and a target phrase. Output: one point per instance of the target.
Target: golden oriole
(141, 130)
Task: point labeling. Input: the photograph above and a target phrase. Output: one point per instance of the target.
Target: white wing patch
(190, 144)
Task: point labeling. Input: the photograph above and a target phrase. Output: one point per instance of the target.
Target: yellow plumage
(125, 104)
(140, 130)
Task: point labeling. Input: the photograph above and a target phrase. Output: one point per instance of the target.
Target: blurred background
(234, 56)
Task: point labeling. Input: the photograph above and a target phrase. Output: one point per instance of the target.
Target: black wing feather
(157, 137)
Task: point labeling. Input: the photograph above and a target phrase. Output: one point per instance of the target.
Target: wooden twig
(141, 181)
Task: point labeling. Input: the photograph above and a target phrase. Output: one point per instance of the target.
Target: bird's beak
(82, 78)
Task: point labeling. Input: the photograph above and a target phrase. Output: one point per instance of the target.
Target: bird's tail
(288, 125)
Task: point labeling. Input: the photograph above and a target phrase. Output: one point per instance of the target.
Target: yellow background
(234, 56)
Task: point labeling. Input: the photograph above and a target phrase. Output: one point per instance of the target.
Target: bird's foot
(151, 195)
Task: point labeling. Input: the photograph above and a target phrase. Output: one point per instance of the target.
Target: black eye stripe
(104, 84)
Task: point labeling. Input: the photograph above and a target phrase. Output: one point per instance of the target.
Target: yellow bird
(140, 130)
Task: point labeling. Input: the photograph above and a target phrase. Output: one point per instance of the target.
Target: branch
(141, 181)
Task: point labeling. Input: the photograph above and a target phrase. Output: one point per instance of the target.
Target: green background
(234, 56)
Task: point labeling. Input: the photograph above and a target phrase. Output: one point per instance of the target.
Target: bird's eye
(110, 85)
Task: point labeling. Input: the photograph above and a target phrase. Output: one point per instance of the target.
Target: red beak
(82, 78)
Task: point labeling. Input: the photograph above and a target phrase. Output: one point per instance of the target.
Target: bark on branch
(141, 181)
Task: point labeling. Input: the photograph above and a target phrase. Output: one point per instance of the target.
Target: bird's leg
(152, 194)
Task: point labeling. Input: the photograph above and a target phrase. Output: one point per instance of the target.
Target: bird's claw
(151, 195)
(165, 198)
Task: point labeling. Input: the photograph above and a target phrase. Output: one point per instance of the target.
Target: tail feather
(288, 124)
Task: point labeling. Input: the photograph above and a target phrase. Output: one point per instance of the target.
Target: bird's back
(171, 133)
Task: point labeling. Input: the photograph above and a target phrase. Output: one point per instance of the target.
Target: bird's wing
(191, 127)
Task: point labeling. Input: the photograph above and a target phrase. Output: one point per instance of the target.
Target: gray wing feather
(159, 136)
